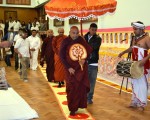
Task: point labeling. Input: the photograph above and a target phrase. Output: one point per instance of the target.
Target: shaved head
(50, 32)
(74, 28)
(74, 32)
(61, 31)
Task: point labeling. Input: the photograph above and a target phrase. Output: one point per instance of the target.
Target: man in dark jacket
(94, 41)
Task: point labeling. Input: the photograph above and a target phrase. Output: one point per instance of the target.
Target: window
(19, 2)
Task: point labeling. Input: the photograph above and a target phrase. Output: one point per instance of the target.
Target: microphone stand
(128, 59)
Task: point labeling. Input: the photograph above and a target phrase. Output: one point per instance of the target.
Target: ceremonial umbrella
(79, 9)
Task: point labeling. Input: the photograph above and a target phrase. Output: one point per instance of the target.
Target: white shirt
(34, 28)
(37, 24)
(17, 37)
(94, 64)
(17, 25)
(34, 42)
(11, 24)
(11, 36)
(89, 37)
(23, 47)
(8, 51)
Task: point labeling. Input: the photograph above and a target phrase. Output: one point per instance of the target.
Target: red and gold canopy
(80, 9)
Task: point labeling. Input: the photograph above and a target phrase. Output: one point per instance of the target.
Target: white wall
(127, 11)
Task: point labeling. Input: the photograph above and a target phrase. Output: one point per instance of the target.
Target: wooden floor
(108, 104)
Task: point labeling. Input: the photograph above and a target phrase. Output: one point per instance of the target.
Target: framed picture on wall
(19, 2)
(58, 23)
(73, 21)
(76, 21)
(8, 14)
(1, 1)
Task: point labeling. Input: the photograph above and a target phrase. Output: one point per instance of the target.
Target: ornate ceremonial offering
(78, 52)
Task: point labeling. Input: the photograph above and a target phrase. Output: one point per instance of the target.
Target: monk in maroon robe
(59, 74)
(48, 54)
(76, 71)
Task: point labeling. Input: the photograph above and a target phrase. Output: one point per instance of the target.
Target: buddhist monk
(48, 54)
(58, 66)
(72, 52)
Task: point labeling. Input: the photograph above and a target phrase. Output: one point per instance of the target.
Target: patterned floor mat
(60, 94)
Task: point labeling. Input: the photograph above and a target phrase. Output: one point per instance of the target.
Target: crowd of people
(73, 60)
(24, 41)
(16, 24)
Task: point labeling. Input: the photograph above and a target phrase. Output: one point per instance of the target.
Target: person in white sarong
(139, 48)
(34, 48)
(140, 86)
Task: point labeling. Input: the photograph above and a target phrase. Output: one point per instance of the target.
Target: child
(7, 57)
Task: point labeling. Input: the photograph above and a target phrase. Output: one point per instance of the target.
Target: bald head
(74, 28)
(61, 31)
(50, 33)
(74, 32)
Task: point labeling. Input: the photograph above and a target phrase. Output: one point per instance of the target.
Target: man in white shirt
(36, 22)
(17, 61)
(22, 49)
(10, 23)
(17, 25)
(18, 36)
(34, 48)
(34, 27)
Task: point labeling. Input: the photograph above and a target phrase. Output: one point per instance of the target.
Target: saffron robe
(48, 54)
(77, 85)
(58, 66)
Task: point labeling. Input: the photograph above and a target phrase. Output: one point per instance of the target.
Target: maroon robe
(77, 85)
(48, 54)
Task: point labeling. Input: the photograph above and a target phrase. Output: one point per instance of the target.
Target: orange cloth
(79, 8)
(59, 74)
